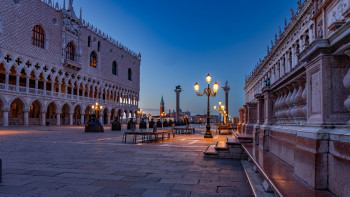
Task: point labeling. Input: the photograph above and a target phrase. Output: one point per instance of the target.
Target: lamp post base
(208, 133)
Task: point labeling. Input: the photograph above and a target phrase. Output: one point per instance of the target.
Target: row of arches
(17, 112)
(35, 81)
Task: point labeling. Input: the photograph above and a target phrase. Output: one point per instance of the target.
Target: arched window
(129, 74)
(93, 59)
(114, 68)
(98, 46)
(70, 51)
(38, 36)
(89, 41)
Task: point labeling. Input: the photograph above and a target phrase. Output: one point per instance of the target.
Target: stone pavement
(64, 161)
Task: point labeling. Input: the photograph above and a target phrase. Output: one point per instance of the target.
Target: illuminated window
(38, 36)
(93, 59)
(70, 51)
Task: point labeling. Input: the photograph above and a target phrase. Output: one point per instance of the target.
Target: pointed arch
(70, 51)
(38, 36)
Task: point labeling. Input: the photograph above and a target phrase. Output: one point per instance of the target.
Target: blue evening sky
(181, 41)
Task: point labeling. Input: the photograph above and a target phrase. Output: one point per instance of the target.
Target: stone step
(221, 145)
(210, 150)
(255, 180)
(232, 141)
(244, 138)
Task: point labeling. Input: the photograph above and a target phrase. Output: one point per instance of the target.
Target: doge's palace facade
(54, 66)
(297, 97)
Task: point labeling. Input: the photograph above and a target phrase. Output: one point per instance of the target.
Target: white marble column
(58, 119)
(7, 78)
(101, 118)
(27, 84)
(109, 119)
(44, 88)
(43, 118)
(36, 86)
(25, 118)
(66, 90)
(17, 82)
(5, 118)
(70, 119)
(82, 120)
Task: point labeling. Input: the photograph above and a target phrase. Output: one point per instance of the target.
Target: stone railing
(290, 106)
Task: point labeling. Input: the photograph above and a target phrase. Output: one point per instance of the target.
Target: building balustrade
(33, 91)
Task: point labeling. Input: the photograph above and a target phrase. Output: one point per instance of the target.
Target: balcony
(75, 65)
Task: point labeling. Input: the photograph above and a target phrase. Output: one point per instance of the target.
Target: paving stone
(15, 190)
(155, 193)
(183, 181)
(117, 191)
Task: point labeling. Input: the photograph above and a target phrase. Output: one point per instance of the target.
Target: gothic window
(93, 59)
(114, 68)
(307, 40)
(129, 74)
(89, 41)
(38, 36)
(70, 51)
(98, 46)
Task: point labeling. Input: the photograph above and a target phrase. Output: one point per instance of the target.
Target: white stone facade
(45, 86)
(297, 97)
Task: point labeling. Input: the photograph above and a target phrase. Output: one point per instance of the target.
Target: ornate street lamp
(208, 92)
(94, 124)
(96, 108)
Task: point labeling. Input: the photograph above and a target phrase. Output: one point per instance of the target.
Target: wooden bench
(147, 135)
(134, 134)
(186, 130)
(280, 175)
(224, 127)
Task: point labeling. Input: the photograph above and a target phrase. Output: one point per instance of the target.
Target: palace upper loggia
(54, 66)
(297, 97)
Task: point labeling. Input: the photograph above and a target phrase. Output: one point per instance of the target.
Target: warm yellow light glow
(196, 87)
(222, 107)
(208, 77)
(101, 107)
(220, 103)
(93, 107)
(216, 87)
(96, 103)
(215, 107)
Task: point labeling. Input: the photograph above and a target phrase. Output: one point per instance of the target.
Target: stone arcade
(296, 105)
(54, 66)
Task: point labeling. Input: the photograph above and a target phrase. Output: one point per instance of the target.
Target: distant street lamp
(209, 92)
(163, 115)
(139, 112)
(220, 109)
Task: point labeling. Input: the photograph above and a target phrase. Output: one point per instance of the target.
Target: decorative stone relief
(72, 26)
(336, 14)
(320, 29)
